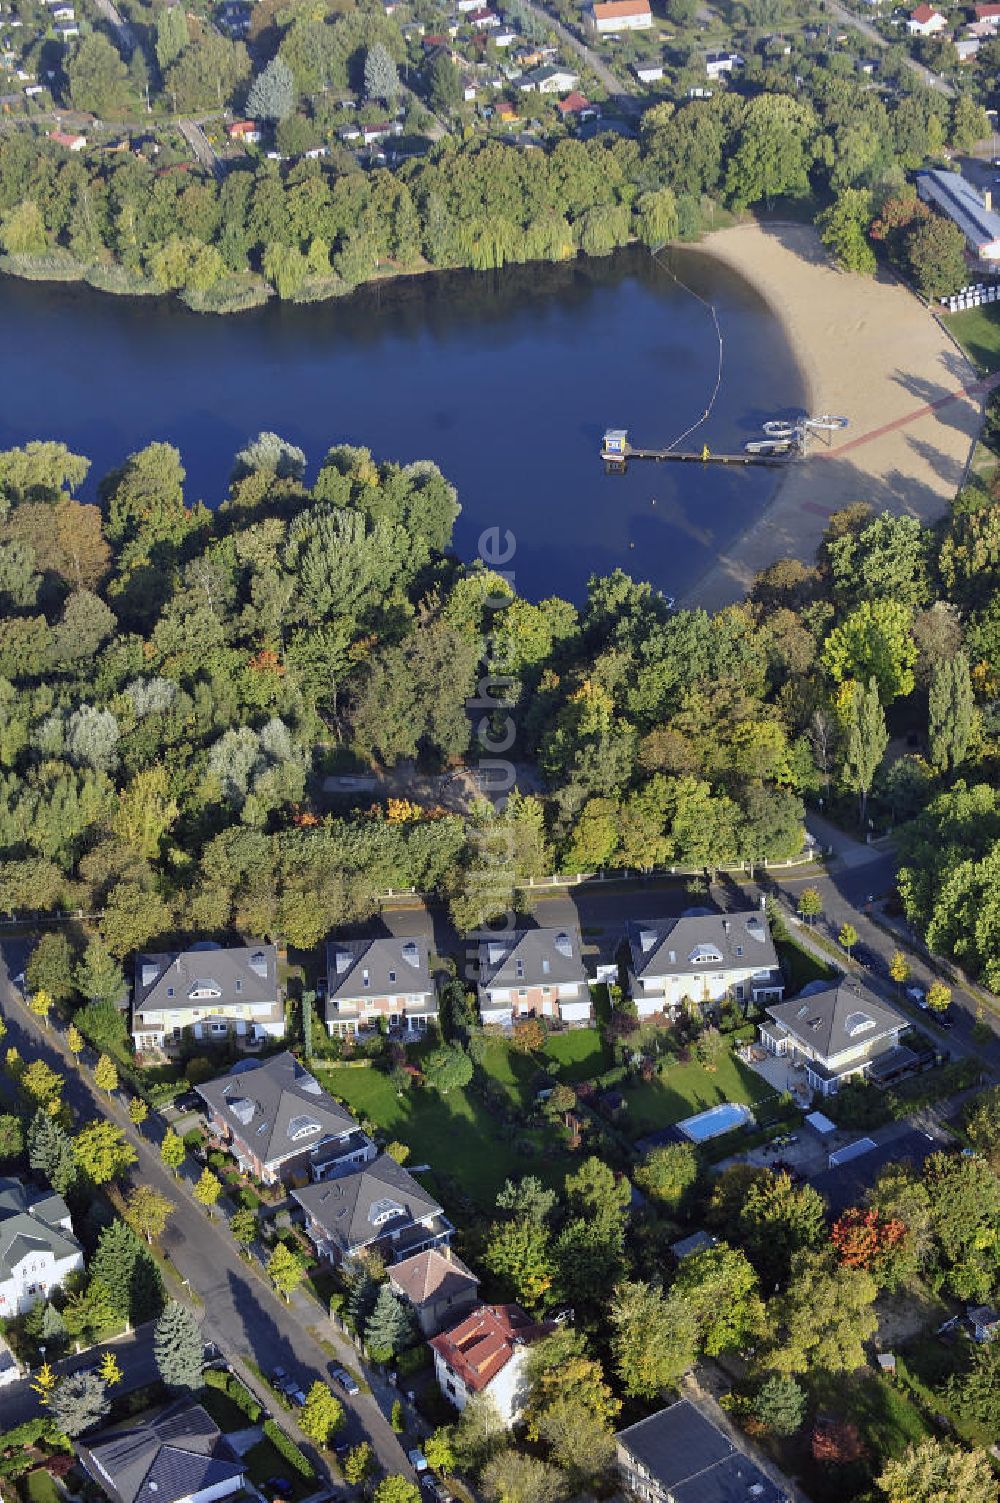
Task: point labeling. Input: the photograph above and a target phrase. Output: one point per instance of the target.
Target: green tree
(669, 1174)
(50, 1152)
(22, 230)
(389, 1329)
(50, 967)
(75, 1042)
(106, 1075)
(272, 93)
(396, 1489)
(244, 1225)
(171, 35)
(810, 904)
(867, 739)
(848, 937)
(78, 1402)
(519, 1252)
(138, 1111)
(99, 977)
(42, 1083)
(102, 1152)
(178, 1347)
(654, 1338)
(935, 257)
(527, 1199)
(172, 1150)
(109, 1370)
(934, 1471)
(843, 230)
(98, 79)
(358, 1465)
(448, 1068)
(131, 1280)
(951, 711)
(720, 1285)
(147, 1212)
(286, 1270)
(825, 1317)
(899, 968)
(40, 1006)
(381, 78)
(513, 1477)
(207, 1190)
(445, 89)
(322, 1415)
(439, 1451)
(773, 150)
(780, 1405)
(874, 642)
(776, 1220)
(939, 996)
(11, 1137)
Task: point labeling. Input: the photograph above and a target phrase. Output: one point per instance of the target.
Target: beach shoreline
(866, 349)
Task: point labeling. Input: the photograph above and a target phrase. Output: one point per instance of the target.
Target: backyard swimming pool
(718, 1119)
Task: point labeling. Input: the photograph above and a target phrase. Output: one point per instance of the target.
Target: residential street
(18, 1402)
(242, 1314)
(932, 80)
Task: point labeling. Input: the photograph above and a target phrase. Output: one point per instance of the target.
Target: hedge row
(288, 1449)
(230, 1385)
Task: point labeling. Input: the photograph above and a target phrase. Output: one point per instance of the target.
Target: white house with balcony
(207, 993)
(837, 1031)
(702, 958)
(38, 1250)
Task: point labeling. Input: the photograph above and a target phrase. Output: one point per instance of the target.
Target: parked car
(436, 1489)
(918, 995)
(297, 1397)
(279, 1486)
(342, 1376)
(867, 957)
(417, 1459)
(278, 1377)
(944, 1019)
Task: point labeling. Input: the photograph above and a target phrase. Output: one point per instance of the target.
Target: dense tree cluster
(319, 227)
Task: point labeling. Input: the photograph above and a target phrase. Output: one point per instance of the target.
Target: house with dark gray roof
(279, 1123)
(533, 972)
(838, 1031)
(172, 1455)
(701, 958)
(38, 1250)
(376, 1207)
(208, 993)
(372, 979)
(680, 1456)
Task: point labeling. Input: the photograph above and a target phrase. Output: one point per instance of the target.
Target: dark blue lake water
(506, 380)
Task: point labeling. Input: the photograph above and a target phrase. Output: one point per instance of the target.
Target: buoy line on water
(655, 253)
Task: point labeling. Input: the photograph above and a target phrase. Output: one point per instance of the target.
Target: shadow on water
(507, 380)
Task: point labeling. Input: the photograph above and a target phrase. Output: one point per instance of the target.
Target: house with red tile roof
(925, 21)
(607, 17)
(577, 104)
(988, 13)
(485, 1353)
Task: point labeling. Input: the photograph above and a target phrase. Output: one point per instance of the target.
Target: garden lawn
(515, 1072)
(978, 332)
(684, 1089)
(264, 1460)
(39, 1487)
(454, 1134)
(577, 1055)
(887, 1420)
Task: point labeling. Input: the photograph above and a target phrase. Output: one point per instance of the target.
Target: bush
(413, 1361)
(287, 1448)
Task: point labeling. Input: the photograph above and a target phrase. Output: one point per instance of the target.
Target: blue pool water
(718, 1119)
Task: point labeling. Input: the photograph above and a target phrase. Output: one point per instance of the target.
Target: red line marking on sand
(973, 389)
(821, 511)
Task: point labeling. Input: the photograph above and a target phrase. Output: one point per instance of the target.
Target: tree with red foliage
(836, 1442)
(862, 1238)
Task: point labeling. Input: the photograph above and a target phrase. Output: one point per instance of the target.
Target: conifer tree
(178, 1347)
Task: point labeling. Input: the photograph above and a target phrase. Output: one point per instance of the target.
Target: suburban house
(175, 1455)
(437, 1286)
(967, 47)
(38, 1250)
(548, 80)
(208, 991)
(578, 105)
(648, 73)
(71, 141)
(533, 971)
(837, 1032)
(973, 212)
(718, 63)
(990, 14)
(983, 1321)
(244, 130)
(280, 1124)
(369, 979)
(485, 1353)
(608, 17)
(378, 1207)
(925, 21)
(679, 1456)
(699, 958)
(852, 1173)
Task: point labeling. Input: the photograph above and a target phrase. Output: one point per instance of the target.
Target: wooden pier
(621, 457)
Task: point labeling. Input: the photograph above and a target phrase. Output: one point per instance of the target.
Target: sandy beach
(868, 350)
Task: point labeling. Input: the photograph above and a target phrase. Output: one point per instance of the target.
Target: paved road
(242, 1314)
(18, 1402)
(932, 80)
(124, 35)
(614, 85)
(202, 149)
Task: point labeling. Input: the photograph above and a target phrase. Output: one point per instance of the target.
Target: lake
(506, 380)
